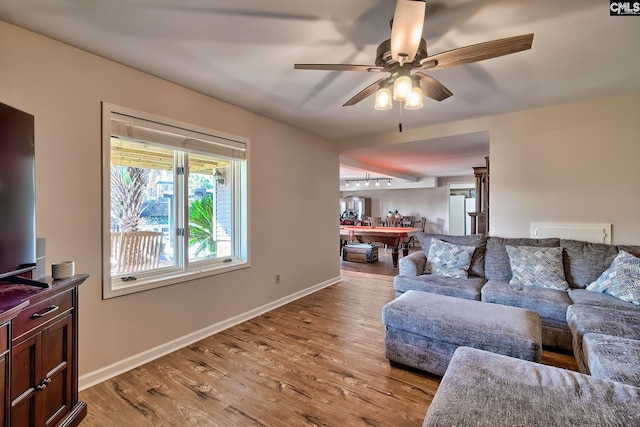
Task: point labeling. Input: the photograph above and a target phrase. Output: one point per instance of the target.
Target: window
(174, 202)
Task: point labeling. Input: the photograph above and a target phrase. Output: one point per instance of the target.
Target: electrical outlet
(277, 278)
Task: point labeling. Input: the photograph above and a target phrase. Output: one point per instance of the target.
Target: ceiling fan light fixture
(384, 100)
(402, 88)
(414, 100)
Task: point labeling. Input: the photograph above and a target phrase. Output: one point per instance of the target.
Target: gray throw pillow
(478, 241)
(496, 261)
(539, 267)
(621, 279)
(449, 260)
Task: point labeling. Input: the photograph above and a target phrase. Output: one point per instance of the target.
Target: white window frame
(192, 139)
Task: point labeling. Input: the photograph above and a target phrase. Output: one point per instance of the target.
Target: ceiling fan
(404, 56)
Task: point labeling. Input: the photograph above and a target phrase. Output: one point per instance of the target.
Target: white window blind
(142, 130)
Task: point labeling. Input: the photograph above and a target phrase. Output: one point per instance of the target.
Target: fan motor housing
(384, 59)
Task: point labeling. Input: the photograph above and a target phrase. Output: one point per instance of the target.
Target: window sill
(157, 281)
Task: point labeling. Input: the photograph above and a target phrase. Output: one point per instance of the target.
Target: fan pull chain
(400, 122)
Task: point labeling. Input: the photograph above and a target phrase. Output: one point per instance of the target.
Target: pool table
(395, 237)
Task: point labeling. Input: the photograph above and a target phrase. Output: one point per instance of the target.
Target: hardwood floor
(318, 361)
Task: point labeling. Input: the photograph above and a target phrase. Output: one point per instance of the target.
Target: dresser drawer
(35, 315)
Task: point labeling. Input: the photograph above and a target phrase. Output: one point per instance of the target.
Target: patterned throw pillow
(621, 279)
(537, 266)
(449, 260)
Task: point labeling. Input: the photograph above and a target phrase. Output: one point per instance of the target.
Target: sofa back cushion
(496, 264)
(633, 250)
(584, 262)
(478, 241)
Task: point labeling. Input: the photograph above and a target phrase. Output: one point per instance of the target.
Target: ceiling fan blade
(339, 67)
(369, 90)
(478, 52)
(432, 87)
(406, 30)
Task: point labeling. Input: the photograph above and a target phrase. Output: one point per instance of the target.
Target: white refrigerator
(459, 219)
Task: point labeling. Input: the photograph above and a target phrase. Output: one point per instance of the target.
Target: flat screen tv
(17, 192)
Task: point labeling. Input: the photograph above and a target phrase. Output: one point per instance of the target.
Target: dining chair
(375, 221)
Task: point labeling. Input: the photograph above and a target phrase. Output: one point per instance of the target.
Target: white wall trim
(124, 365)
(589, 232)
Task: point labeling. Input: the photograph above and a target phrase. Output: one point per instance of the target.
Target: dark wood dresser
(39, 354)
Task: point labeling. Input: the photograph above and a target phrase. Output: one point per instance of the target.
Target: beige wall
(293, 177)
(570, 163)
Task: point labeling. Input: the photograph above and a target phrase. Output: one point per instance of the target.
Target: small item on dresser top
(62, 270)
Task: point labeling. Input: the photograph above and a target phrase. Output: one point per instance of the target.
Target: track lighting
(367, 180)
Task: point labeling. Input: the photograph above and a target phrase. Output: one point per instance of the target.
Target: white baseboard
(124, 365)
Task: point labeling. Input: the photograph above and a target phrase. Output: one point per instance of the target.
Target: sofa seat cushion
(584, 262)
(587, 318)
(497, 266)
(585, 297)
(486, 389)
(612, 358)
(548, 303)
(462, 288)
(478, 241)
(583, 319)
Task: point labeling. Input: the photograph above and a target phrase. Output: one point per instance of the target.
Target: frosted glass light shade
(414, 100)
(406, 31)
(383, 99)
(401, 88)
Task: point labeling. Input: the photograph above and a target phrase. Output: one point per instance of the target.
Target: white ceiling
(243, 51)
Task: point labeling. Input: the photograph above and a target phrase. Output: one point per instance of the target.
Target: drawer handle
(47, 312)
(43, 384)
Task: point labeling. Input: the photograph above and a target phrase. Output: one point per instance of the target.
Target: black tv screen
(17, 192)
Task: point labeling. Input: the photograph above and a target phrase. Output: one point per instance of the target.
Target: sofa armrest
(413, 264)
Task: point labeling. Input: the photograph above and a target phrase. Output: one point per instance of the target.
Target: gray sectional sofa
(487, 389)
(603, 331)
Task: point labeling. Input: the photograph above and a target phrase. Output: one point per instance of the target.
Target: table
(391, 236)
